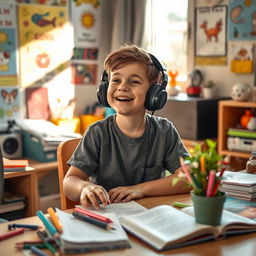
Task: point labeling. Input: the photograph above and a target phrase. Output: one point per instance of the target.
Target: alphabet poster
(42, 30)
(242, 20)
(85, 16)
(8, 45)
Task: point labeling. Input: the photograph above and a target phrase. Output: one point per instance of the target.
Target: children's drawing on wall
(85, 16)
(8, 62)
(84, 73)
(9, 103)
(211, 44)
(44, 2)
(242, 20)
(42, 30)
(85, 54)
(242, 58)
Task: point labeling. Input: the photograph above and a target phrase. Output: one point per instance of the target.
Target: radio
(11, 143)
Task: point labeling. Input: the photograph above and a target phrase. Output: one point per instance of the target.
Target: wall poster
(8, 45)
(42, 29)
(210, 34)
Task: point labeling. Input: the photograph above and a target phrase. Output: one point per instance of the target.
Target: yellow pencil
(55, 219)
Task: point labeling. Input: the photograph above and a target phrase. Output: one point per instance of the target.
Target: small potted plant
(209, 89)
(204, 174)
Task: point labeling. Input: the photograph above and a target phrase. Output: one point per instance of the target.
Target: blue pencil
(37, 251)
(28, 226)
(47, 223)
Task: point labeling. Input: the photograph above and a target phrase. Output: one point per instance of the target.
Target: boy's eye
(134, 82)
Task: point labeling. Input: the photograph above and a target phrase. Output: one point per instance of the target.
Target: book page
(163, 224)
(78, 231)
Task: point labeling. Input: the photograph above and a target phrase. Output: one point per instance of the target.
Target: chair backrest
(64, 151)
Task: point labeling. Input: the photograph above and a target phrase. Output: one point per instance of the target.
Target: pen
(12, 233)
(49, 246)
(37, 251)
(210, 183)
(48, 225)
(93, 215)
(27, 226)
(55, 219)
(90, 220)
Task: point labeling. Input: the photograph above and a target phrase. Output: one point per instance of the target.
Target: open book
(164, 227)
(79, 236)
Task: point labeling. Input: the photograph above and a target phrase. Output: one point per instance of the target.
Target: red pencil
(93, 215)
(12, 233)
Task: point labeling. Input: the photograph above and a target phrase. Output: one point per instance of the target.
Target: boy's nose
(123, 87)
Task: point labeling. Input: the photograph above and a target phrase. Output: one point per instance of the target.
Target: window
(166, 34)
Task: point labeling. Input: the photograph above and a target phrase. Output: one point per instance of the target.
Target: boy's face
(127, 89)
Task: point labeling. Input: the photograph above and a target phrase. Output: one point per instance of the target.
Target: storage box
(195, 118)
(49, 201)
(33, 148)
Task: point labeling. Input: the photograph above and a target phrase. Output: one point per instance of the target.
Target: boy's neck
(131, 126)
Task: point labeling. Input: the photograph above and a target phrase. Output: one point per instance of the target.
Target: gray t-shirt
(113, 159)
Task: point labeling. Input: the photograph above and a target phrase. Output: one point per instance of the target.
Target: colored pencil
(92, 221)
(55, 219)
(28, 246)
(185, 169)
(27, 226)
(12, 233)
(93, 215)
(49, 246)
(210, 184)
(37, 251)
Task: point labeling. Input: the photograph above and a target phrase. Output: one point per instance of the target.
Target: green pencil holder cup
(208, 210)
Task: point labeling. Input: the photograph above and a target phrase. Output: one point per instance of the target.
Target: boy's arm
(157, 187)
(78, 189)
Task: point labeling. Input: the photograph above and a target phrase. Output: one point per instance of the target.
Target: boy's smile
(127, 89)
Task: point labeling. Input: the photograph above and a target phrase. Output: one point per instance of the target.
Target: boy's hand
(124, 194)
(91, 194)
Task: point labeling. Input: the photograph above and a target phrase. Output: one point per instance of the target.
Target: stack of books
(239, 185)
(241, 139)
(17, 165)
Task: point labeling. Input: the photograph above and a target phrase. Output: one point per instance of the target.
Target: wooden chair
(64, 151)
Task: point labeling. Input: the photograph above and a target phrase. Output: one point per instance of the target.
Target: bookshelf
(26, 183)
(229, 114)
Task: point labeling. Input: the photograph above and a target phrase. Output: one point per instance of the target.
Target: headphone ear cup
(102, 94)
(156, 97)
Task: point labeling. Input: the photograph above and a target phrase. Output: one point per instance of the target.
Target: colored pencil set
(206, 169)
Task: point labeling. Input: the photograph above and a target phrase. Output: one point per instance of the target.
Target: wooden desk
(26, 183)
(232, 246)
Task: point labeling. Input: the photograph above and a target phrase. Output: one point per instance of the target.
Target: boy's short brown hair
(129, 54)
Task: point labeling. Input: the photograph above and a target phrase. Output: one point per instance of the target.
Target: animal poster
(84, 73)
(242, 58)
(42, 30)
(9, 103)
(8, 45)
(242, 20)
(85, 16)
(211, 31)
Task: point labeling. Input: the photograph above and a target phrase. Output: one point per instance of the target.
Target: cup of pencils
(204, 176)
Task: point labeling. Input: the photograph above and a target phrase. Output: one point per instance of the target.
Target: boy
(126, 154)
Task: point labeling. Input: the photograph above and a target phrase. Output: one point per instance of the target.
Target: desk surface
(232, 246)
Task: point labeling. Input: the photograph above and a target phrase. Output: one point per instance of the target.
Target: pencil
(95, 222)
(12, 233)
(185, 169)
(28, 246)
(27, 226)
(92, 214)
(47, 223)
(49, 246)
(55, 219)
(210, 184)
(37, 251)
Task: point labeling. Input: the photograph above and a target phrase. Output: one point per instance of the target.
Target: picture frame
(211, 31)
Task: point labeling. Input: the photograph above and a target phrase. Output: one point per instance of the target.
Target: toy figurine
(194, 90)
(173, 89)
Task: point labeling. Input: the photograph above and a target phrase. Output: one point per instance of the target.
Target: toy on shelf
(172, 88)
(245, 119)
(241, 92)
(194, 89)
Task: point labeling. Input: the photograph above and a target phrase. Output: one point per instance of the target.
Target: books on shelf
(239, 184)
(16, 165)
(242, 133)
(164, 227)
(79, 236)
